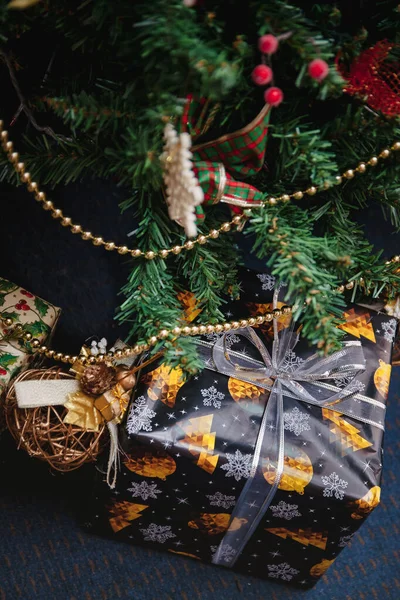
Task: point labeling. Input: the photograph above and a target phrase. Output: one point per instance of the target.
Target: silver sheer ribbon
(310, 381)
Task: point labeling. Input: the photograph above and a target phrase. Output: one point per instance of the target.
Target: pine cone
(97, 379)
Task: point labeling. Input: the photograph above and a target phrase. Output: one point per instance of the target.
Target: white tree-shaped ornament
(183, 192)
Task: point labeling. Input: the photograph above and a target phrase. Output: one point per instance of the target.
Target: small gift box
(267, 461)
(35, 315)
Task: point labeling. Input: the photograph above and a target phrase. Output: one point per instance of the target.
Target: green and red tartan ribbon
(240, 154)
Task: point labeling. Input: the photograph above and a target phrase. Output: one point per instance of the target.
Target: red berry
(268, 44)
(25, 293)
(19, 306)
(262, 74)
(26, 307)
(318, 69)
(3, 371)
(273, 96)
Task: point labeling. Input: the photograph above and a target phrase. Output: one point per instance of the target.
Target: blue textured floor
(44, 554)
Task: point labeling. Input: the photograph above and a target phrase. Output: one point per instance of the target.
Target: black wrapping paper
(189, 449)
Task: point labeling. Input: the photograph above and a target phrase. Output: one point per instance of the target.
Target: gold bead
(227, 326)
(163, 334)
(72, 359)
(82, 359)
(118, 354)
(202, 329)
(338, 180)
(56, 213)
(40, 196)
(150, 255)
(194, 330)
(276, 313)
(9, 147)
(272, 201)
(110, 246)
(349, 174)
(48, 205)
(35, 343)
(65, 358)
(311, 191)
(76, 228)
(362, 167)
(219, 328)
(20, 167)
(340, 289)
(186, 330)
(97, 241)
(86, 235)
(396, 146)
(298, 195)
(202, 239)
(286, 310)
(214, 233)
(373, 161)
(123, 249)
(110, 354)
(176, 249)
(237, 220)
(163, 253)
(136, 253)
(235, 324)
(189, 245)
(153, 340)
(385, 153)
(225, 227)
(244, 323)
(210, 328)
(285, 198)
(260, 320)
(92, 359)
(32, 186)
(251, 321)
(4, 135)
(66, 222)
(26, 177)
(50, 353)
(396, 258)
(8, 322)
(136, 349)
(14, 157)
(350, 285)
(28, 336)
(177, 331)
(144, 347)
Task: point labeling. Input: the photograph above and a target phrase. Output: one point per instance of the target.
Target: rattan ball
(43, 434)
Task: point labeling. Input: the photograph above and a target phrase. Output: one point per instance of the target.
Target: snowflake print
(144, 490)
(282, 571)
(296, 421)
(268, 281)
(334, 486)
(221, 500)
(285, 511)
(390, 330)
(140, 417)
(238, 465)
(212, 397)
(291, 362)
(230, 338)
(227, 553)
(157, 533)
(345, 540)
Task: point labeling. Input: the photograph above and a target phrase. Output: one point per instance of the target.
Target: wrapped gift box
(35, 315)
(267, 472)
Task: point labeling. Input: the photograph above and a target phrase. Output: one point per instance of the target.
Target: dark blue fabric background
(43, 553)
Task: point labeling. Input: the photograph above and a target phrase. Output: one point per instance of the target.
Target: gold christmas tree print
(148, 463)
(247, 393)
(201, 441)
(123, 513)
(366, 504)
(164, 384)
(319, 569)
(303, 536)
(382, 378)
(345, 434)
(214, 523)
(358, 324)
(190, 305)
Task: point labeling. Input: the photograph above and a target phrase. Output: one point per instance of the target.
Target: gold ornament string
(237, 221)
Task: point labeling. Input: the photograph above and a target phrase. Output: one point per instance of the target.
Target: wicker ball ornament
(42, 433)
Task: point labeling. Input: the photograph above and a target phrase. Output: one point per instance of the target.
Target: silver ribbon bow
(310, 381)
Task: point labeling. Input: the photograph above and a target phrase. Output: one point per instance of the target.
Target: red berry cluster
(2, 371)
(262, 74)
(22, 305)
(27, 294)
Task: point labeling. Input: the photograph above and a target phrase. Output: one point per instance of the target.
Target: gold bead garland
(237, 221)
